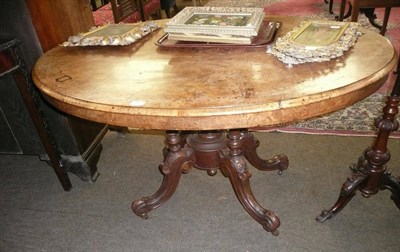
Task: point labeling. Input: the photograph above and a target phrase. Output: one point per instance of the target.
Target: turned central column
(206, 146)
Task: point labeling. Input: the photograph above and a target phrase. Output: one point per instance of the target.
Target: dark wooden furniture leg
(370, 14)
(234, 167)
(342, 15)
(330, 6)
(250, 144)
(11, 57)
(175, 162)
(370, 174)
(210, 151)
(353, 11)
(385, 21)
(67, 144)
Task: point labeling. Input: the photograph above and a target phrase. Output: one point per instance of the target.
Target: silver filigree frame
(112, 34)
(289, 51)
(178, 24)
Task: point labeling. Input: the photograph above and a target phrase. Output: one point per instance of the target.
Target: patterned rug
(355, 120)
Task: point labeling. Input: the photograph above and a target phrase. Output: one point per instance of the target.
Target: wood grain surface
(144, 86)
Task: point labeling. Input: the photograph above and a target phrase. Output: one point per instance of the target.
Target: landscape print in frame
(234, 21)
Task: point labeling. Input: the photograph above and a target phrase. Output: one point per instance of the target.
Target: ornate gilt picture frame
(316, 41)
(112, 35)
(217, 21)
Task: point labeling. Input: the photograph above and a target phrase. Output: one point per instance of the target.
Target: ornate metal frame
(112, 35)
(183, 22)
(316, 41)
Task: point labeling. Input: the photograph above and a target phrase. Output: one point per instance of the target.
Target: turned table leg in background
(370, 174)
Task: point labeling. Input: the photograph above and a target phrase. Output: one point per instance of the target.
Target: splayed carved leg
(347, 192)
(250, 144)
(370, 175)
(234, 166)
(177, 160)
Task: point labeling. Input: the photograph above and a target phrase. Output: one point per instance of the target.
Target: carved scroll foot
(250, 144)
(177, 161)
(238, 174)
(347, 192)
(233, 165)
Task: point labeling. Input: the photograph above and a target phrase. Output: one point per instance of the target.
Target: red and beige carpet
(356, 120)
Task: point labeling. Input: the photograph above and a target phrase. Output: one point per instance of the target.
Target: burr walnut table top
(145, 86)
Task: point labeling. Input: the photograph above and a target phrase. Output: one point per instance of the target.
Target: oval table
(207, 99)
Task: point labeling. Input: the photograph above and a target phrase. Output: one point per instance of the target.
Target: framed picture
(316, 41)
(217, 21)
(319, 33)
(112, 35)
(265, 37)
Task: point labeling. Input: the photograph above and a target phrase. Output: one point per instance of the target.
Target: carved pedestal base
(370, 174)
(210, 151)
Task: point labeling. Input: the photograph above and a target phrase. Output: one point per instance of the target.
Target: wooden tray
(265, 36)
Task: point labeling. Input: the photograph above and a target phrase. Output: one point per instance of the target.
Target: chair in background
(166, 5)
(367, 6)
(117, 11)
(149, 8)
(97, 4)
(122, 9)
